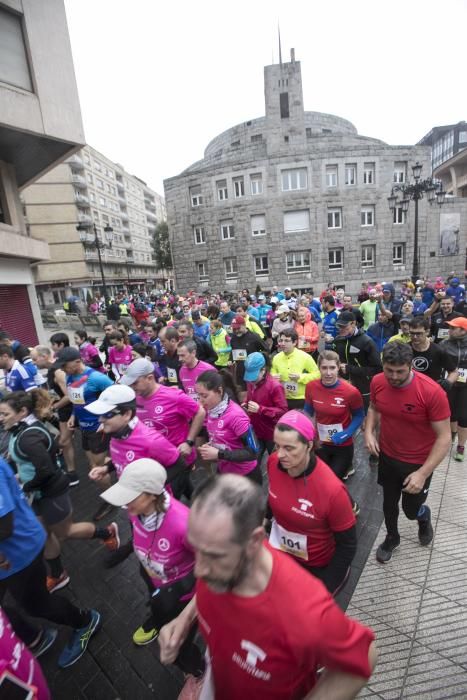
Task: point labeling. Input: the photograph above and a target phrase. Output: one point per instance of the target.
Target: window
(227, 230)
(258, 225)
(261, 265)
(335, 218)
(89, 178)
(298, 261)
(350, 174)
(297, 221)
(400, 172)
(199, 234)
(196, 196)
(295, 179)
(368, 255)
(97, 165)
(99, 183)
(87, 159)
(202, 271)
(230, 268)
(284, 104)
(256, 138)
(462, 136)
(336, 258)
(308, 132)
(92, 197)
(398, 254)
(222, 192)
(14, 68)
(256, 184)
(102, 201)
(368, 173)
(239, 187)
(368, 216)
(398, 216)
(331, 176)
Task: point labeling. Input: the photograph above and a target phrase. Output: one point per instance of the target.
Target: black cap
(345, 317)
(67, 355)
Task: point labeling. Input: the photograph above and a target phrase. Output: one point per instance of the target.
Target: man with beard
(428, 357)
(412, 412)
(263, 642)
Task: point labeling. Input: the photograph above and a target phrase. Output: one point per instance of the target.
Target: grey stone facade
(290, 198)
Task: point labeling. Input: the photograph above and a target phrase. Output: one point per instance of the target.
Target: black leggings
(29, 589)
(391, 476)
(166, 603)
(339, 458)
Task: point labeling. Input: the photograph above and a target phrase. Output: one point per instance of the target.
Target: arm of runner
(346, 546)
(372, 423)
(196, 424)
(357, 419)
(339, 685)
(60, 378)
(172, 635)
(415, 481)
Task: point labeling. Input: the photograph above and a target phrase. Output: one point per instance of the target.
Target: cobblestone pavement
(417, 603)
(113, 667)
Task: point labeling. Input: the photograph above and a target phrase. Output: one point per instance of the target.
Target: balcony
(82, 200)
(130, 259)
(124, 216)
(76, 162)
(151, 216)
(85, 219)
(119, 184)
(79, 181)
(122, 200)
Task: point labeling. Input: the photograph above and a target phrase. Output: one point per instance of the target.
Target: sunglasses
(110, 414)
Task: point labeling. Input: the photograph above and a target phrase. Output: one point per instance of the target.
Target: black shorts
(457, 397)
(65, 413)
(95, 442)
(53, 510)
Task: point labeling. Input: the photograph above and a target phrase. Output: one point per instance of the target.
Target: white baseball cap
(110, 398)
(138, 368)
(141, 476)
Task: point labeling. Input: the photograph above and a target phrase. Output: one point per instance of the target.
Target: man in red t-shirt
(261, 615)
(412, 412)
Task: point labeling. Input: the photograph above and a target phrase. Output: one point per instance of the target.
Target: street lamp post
(414, 191)
(88, 241)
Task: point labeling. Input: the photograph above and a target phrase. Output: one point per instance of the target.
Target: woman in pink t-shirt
(160, 525)
(120, 354)
(88, 351)
(232, 441)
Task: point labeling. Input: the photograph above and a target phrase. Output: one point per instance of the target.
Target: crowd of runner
(263, 397)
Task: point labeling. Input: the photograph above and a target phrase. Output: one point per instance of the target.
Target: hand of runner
(171, 638)
(371, 444)
(252, 407)
(98, 473)
(184, 449)
(208, 452)
(71, 423)
(294, 376)
(4, 563)
(414, 482)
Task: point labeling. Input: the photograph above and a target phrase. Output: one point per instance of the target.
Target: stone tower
(285, 115)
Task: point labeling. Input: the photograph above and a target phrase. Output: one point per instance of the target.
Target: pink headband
(298, 421)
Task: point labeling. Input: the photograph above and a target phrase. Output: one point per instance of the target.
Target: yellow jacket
(298, 362)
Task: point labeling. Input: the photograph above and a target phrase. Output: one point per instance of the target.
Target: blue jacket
(380, 333)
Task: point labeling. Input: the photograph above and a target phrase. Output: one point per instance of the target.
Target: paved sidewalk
(417, 603)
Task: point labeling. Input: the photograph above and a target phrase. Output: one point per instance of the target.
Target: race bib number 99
(326, 432)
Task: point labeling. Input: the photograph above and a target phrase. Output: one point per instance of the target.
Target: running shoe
(113, 542)
(348, 473)
(48, 637)
(356, 509)
(103, 510)
(142, 637)
(425, 528)
(54, 583)
(459, 456)
(73, 478)
(119, 555)
(386, 548)
(79, 641)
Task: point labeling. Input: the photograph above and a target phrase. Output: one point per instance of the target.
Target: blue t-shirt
(329, 323)
(201, 331)
(28, 536)
(19, 379)
(263, 312)
(253, 311)
(83, 389)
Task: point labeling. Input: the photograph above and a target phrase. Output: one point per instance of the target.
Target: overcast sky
(158, 80)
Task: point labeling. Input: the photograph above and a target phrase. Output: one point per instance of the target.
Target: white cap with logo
(141, 476)
(110, 398)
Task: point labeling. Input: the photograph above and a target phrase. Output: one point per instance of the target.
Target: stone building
(40, 125)
(89, 188)
(297, 199)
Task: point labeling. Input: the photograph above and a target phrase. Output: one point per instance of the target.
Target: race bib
(443, 333)
(76, 395)
(290, 387)
(172, 375)
(239, 355)
(326, 432)
(302, 342)
(291, 542)
(462, 375)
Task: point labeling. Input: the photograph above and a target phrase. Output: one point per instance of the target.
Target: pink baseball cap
(300, 422)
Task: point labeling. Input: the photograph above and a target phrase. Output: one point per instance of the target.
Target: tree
(161, 247)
